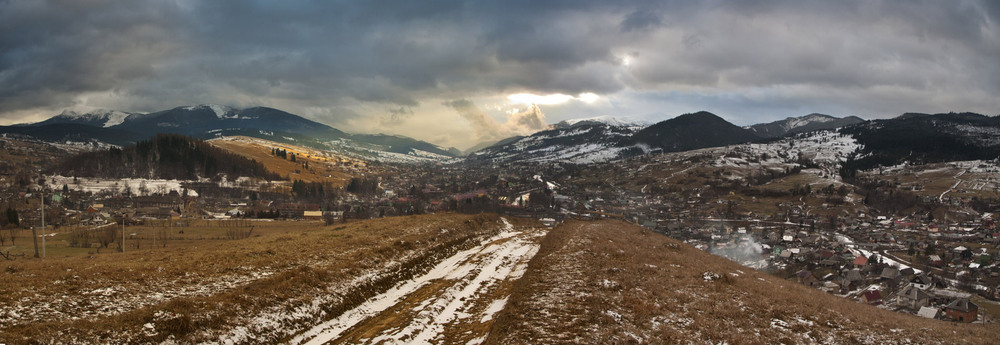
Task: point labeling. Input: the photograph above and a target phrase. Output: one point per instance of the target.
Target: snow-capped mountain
(211, 121)
(221, 111)
(802, 124)
(598, 141)
(605, 119)
(582, 142)
(206, 121)
(99, 118)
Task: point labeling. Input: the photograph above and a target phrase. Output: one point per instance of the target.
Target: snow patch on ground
(115, 186)
(470, 273)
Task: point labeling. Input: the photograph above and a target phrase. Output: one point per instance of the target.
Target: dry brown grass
(322, 167)
(614, 283)
(300, 273)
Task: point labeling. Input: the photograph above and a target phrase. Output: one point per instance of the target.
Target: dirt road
(453, 303)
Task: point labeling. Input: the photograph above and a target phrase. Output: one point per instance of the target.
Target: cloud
(396, 116)
(484, 126)
(528, 120)
(520, 122)
(356, 65)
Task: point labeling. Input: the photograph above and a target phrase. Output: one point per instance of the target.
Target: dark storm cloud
(49, 52)
(395, 117)
(346, 60)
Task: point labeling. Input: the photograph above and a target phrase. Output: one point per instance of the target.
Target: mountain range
(603, 139)
(808, 123)
(209, 121)
(910, 137)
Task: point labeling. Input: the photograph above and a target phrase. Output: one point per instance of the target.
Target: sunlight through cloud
(551, 99)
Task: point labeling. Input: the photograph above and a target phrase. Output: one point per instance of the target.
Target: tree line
(165, 156)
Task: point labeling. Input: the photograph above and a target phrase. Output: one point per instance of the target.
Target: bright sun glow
(627, 60)
(588, 97)
(556, 98)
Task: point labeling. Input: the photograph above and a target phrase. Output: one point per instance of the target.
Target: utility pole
(34, 234)
(41, 196)
(123, 231)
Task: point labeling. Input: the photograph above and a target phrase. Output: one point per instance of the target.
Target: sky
(458, 73)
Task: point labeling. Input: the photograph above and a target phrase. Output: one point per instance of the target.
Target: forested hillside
(922, 138)
(165, 156)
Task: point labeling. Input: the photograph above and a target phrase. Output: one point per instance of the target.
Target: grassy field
(264, 289)
(323, 166)
(183, 234)
(941, 177)
(614, 283)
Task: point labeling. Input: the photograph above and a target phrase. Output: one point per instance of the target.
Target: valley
(251, 239)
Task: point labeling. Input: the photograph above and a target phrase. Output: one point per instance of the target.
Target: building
(928, 312)
(806, 278)
(961, 310)
(913, 298)
(860, 261)
(922, 281)
(873, 297)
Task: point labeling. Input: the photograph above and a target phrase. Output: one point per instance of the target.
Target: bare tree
(108, 236)
(143, 188)
(12, 233)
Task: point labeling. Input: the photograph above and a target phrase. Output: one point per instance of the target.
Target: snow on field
(582, 154)
(828, 149)
(885, 259)
(136, 185)
(459, 289)
(112, 300)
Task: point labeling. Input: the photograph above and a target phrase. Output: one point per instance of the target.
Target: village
(914, 264)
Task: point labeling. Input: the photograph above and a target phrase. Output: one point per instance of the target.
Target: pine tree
(12, 217)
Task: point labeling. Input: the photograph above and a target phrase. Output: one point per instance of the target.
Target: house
(312, 214)
(922, 281)
(334, 214)
(860, 261)
(935, 260)
(873, 297)
(961, 310)
(928, 312)
(806, 278)
(829, 263)
(889, 273)
(913, 298)
(850, 280)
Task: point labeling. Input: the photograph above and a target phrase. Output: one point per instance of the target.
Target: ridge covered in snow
(610, 120)
(221, 111)
(104, 118)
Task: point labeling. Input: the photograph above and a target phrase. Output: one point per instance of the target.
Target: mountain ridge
(208, 121)
(801, 124)
(693, 131)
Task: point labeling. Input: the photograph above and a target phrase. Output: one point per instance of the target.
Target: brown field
(323, 166)
(940, 177)
(29, 157)
(614, 283)
(603, 282)
(282, 280)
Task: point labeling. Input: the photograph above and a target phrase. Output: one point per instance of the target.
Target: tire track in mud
(453, 303)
